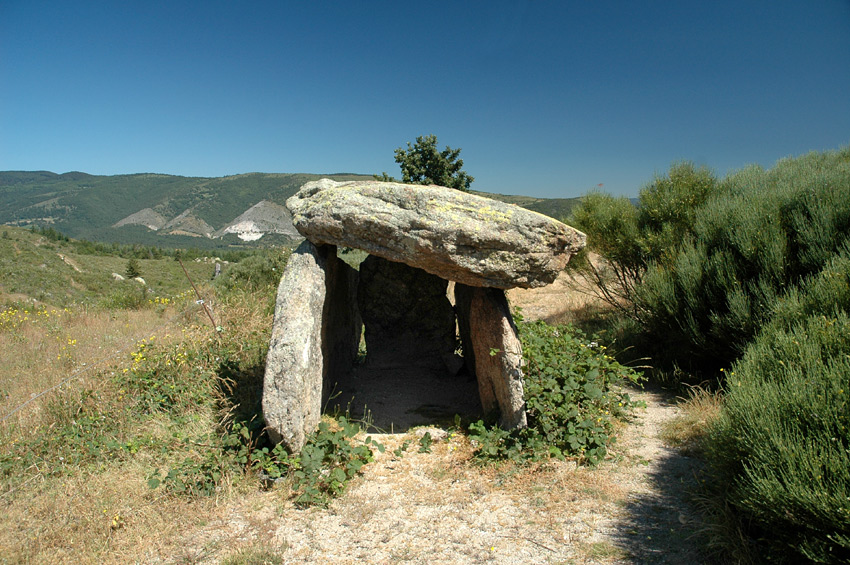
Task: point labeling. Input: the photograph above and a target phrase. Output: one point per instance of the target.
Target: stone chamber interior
(409, 370)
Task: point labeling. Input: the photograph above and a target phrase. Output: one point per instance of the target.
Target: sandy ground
(440, 507)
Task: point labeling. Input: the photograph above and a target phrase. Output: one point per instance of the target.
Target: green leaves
(569, 401)
(783, 443)
(422, 163)
(425, 443)
(328, 462)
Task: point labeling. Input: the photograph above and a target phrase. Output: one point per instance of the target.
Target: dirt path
(439, 507)
(657, 522)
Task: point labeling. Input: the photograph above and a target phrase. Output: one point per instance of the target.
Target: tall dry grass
(99, 511)
(40, 347)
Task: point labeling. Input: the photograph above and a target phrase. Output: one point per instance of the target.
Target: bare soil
(440, 507)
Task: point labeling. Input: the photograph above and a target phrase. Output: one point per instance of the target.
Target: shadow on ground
(395, 400)
(660, 523)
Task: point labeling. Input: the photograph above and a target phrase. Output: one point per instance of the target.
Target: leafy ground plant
(329, 460)
(570, 401)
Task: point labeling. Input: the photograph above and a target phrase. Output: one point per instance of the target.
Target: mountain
(175, 211)
(260, 219)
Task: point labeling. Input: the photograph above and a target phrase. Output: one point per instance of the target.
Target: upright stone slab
(492, 340)
(408, 318)
(313, 338)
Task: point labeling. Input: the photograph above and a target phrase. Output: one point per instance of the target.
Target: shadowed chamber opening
(412, 372)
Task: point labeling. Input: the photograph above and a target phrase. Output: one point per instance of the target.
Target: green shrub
(631, 237)
(670, 205)
(328, 461)
(763, 233)
(569, 400)
(783, 442)
(827, 293)
(256, 272)
(127, 295)
(612, 232)
(132, 270)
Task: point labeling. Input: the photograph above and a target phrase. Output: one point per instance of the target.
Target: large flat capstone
(455, 235)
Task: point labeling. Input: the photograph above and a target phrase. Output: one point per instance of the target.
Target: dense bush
(701, 264)
(783, 442)
(765, 232)
(630, 237)
(570, 402)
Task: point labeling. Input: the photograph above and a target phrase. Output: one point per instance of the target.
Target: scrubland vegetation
(108, 387)
(743, 284)
(740, 285)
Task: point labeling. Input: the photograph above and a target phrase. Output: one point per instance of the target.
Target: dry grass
(101, 512)
(109, 517)
(568, 300)
(696, 412)
(41, 346)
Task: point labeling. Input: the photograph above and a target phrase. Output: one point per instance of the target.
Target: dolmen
(419, 238)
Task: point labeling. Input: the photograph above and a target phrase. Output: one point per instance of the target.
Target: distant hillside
(173, 211)
(57, 272)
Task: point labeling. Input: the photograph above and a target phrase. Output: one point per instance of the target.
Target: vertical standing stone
(492, 340)
(312, 339)
(408, 317)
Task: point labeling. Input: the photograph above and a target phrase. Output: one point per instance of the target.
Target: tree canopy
(422, 163)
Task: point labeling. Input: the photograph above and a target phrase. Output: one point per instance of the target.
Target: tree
(629, 239)
(421, 163)
(132, 271)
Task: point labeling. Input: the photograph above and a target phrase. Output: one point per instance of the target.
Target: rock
(147, 217)
(117, 277)
(436, 433)
(315, 335)
(187, 223)
(495, 350)
(455, 235)
(408, 318)
(262, 218)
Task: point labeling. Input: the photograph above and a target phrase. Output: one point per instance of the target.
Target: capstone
(455, 235)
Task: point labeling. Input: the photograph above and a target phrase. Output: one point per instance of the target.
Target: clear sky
(545, 98)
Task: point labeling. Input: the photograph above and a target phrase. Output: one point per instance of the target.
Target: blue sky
(545, 98)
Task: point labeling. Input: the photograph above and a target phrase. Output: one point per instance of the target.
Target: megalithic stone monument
(443, 234)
